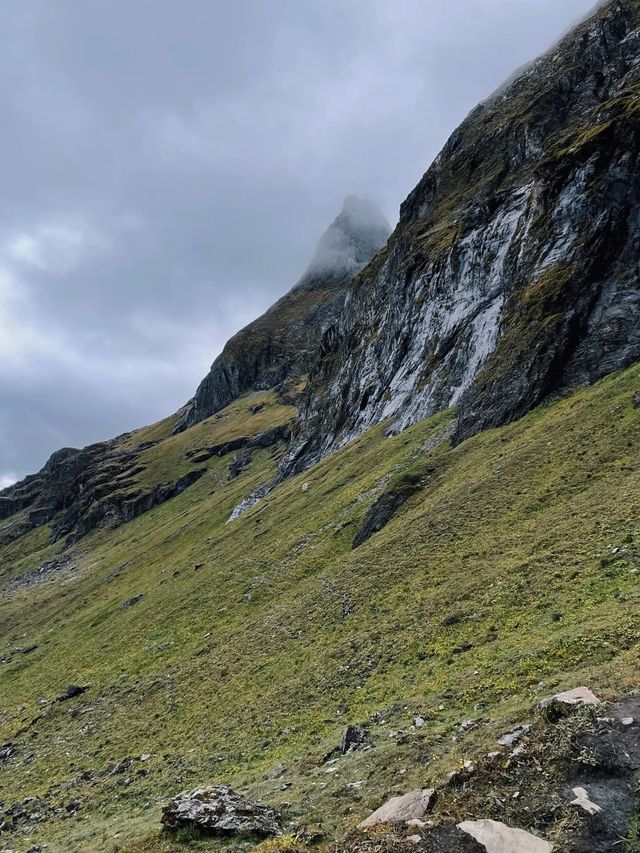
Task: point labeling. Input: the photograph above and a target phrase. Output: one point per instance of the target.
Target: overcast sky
(168, 166)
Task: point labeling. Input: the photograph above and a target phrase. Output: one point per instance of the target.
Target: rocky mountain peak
(279, 347)
(356, 234)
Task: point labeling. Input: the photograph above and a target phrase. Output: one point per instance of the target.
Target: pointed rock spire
(356, 234)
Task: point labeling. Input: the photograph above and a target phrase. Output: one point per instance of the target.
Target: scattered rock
(305, 487)
(257, 408)
(411, 806)
(582, 801)
(467, 725)
(556, 706)
(413, 839)
(627, 721)
(352, 738)
(220, 811)
(240, 461)
(419, 722)
(499, 838)
(71, 692)
(636, 400)
(515, 735)
(452, 619)
(130, 602)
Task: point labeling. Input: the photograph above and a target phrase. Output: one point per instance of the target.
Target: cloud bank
(170, 166)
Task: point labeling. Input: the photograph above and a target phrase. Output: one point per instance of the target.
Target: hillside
(285, 634)
(433, 443)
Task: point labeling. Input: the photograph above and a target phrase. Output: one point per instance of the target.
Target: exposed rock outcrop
(513, 270)
(219, 811)
(411, 806)
(284, 342)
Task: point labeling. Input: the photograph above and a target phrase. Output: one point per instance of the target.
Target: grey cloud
(169, 167)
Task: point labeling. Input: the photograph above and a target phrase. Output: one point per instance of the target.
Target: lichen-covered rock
(220, 811)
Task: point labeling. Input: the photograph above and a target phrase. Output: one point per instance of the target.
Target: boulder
(218, 810)
(411, 806)
(499, 838)
(352, 738)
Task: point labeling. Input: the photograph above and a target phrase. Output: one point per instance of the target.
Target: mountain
(512, 273)
(442, 427)
(280, 346)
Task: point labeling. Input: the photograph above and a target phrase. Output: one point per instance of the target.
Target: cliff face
(282, 344)
(513, 271)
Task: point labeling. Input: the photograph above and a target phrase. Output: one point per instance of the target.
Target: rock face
(219, 811)
(513, 270)
(352, 738)
(411, 806)
(283, 343)
(498, 838)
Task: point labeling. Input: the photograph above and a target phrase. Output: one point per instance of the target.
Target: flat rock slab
(220, 811)
(577, 696)
(583, 801)
(411, 806)
(499, 838)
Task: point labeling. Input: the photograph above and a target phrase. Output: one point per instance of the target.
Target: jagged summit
(349, 243)
(282, 344)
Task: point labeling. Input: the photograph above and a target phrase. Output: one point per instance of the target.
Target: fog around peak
(170, 167)
(349, 243)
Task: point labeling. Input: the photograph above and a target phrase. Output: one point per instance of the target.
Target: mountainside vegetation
(401, 510)
(223, 651)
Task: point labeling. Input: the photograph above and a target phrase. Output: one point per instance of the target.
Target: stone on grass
(499, 838)
(71, 692)
(515, 735)
(218, 810)
(411, 806)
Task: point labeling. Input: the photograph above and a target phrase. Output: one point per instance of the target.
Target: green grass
(529, 533)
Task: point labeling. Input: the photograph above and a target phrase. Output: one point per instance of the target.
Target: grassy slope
(285, 633)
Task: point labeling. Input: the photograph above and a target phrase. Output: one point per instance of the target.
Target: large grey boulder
(220, 811)
(411, 806)
(499, 838)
